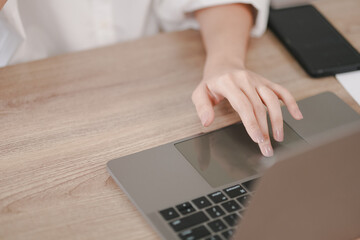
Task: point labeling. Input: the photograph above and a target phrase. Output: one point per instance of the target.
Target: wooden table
(63, 118)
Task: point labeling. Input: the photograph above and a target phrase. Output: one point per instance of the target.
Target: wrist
(217, 64)
(228, 57)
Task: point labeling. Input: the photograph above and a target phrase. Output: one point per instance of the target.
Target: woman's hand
(248, 93)
(225, 30)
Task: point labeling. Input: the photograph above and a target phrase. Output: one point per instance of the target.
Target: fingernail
(204, 118)
(267, 150)
(279, 135)
(259, 137)
(299, 115)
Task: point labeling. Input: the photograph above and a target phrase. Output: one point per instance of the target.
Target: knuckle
(245, 78)
(287, 96)
(240, 106)
(286, 93)
(212, 85)
(226, 79)
(193, 96)
(274, 100)
(277, 120)
(277, 86)
(262, 89)
(291, 102)
(196, 94)
(271, 97)
(260, 108)
(252, 126)
(266, 137)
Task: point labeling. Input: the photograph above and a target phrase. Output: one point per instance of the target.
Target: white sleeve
(11, 32)
(177, 15)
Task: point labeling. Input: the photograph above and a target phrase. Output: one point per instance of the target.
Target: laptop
(311, 194)
(200, 187)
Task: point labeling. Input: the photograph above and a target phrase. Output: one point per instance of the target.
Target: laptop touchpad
(226, 155)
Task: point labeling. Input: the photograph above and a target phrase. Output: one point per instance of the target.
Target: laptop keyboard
(210, 217)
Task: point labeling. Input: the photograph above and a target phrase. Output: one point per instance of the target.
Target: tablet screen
(227, 155)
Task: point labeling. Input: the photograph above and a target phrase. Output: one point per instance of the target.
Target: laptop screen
(228, 155)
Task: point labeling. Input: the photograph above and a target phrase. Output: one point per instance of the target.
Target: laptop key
(185, 208)
(215, 237)
(231, 206)
(235, 191)
(250, 185)
(201, 202)
(217, 197)
(232, 219)
(189, 221)
(228, 233)
(244, 200)
(169, 213)
(195, 233)
(215, 212)
(217, 225)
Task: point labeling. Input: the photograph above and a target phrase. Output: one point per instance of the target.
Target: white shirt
(52, 27)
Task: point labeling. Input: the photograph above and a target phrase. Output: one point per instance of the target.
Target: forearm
(2, 3)
(225, 30)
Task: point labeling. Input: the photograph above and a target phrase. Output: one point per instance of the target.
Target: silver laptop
(312, 194)
(200, 187)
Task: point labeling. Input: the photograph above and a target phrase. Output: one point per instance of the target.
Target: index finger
(243, 107)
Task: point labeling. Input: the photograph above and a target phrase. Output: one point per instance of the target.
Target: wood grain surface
(63, 118)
